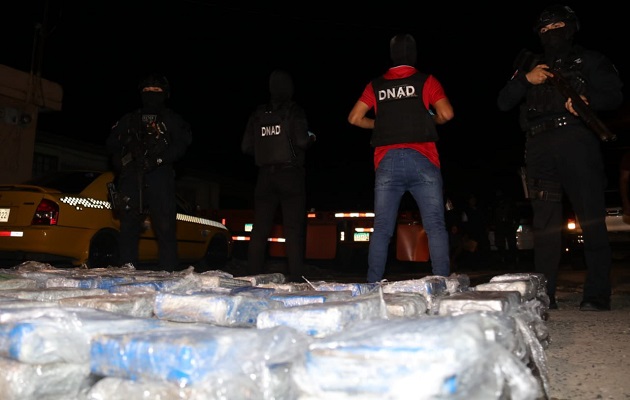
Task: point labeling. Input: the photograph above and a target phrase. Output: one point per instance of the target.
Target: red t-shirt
(431, 93)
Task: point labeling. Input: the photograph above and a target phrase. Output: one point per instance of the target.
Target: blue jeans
(403, 170)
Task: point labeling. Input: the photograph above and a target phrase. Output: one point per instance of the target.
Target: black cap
(557, 13)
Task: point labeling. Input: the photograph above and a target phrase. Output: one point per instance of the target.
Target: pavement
(588, 356)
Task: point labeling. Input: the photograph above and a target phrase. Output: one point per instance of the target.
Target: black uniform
(563, 155)
(144, 145)
(277, 136)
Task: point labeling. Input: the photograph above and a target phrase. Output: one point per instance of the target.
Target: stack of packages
(120, 333)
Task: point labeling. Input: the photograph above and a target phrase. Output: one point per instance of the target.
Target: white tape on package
(539, 280)
(292, 299)
(431, 287)
(356, 289)
(319, 320)
(405, 304)
(49, 335)
(524, 286)
(218, 309)
(464, 302)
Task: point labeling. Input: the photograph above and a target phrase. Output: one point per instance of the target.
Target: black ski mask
(557, 43)
(153, 101)
(280, 87)
(402, 50)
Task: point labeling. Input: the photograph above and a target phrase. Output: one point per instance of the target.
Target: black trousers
(284, 187)
(158, 197)
(571, 156)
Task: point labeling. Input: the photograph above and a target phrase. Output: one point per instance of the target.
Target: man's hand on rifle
(569, 105)
(539, 74)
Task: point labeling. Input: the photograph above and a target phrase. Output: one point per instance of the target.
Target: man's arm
(358, 116)
(443, 111)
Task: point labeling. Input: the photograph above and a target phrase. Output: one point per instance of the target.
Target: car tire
(103, 250)
(217, 254)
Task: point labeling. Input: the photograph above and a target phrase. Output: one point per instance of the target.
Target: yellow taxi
(66, 217)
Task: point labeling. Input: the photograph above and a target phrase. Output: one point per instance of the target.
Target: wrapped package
(196, 355)
(55, 381)
(51, 335)
(319, 320)
(421, 358)
(217, 309)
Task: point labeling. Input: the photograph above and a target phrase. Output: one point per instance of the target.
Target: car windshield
(66, 181)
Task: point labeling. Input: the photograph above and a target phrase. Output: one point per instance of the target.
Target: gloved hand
(151, 162)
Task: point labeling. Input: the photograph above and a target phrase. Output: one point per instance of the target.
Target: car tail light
(47, 213)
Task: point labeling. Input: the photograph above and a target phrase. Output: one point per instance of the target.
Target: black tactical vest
(154, 135)
(401, 115)
(545, 101)
(272, 140)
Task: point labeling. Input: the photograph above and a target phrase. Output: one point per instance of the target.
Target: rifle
(522, 172)
(526, 60)
(584, 111)
(142, 148)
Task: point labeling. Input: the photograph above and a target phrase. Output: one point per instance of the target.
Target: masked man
(562, 153)
(144, 145)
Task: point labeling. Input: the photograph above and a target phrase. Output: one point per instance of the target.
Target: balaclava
(280, 87)
(402, 50)
(153, 101)
(557, 42)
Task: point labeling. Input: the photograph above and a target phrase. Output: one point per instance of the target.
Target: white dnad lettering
(270, 130)
(398, 92)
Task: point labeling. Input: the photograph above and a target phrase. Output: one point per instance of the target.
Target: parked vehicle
(66, 217)
(618, 231)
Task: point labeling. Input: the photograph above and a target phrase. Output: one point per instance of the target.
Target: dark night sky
(218, 58)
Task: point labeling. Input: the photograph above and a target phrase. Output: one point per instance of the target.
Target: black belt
(550, 124)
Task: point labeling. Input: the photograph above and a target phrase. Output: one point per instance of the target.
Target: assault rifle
(142, 147)
(526, 60)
